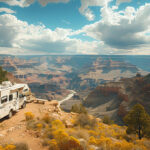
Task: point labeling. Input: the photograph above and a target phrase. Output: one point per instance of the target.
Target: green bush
(138, 121)
(78, 108)
(85, 121)
(107, 120)
(3, 75)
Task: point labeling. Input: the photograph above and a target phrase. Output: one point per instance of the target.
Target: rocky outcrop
(115, 99)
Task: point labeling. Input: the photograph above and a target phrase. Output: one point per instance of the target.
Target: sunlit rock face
(115, 99)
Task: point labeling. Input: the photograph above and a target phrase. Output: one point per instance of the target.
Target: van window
(10, 97)
(17, 94)
(25, 90)
(21, 96)
(3, 99)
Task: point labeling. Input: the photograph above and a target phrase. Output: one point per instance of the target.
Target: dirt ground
(14, 130)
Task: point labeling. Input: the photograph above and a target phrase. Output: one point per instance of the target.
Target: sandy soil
(14, 130)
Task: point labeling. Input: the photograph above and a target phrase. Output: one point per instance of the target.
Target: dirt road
(67, 98)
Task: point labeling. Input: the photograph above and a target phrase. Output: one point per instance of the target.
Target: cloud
(89, 14)
(118, 2)
(45, 2)
(118, 32)
(85, 4)
(122, 30)
(20, 3)
(26, 3)
(19, 35)
(7, 10)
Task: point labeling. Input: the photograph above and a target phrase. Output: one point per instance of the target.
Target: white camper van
(12, 97)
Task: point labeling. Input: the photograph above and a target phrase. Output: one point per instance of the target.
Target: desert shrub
(45, 142)
(1, 148)
(31, 124)
(144, 142)
(47, 119)
(122, 145)
(107, 143)
(92, 141)
(22, 146)
(10, 147)
(78, 133)
(86, 121)
(113, 130)
(55, 130)
(48, 134)
(78, 108)
(104, 142)
(53, 145)
(60, 135)
(29, 116)
(126, 137)
(39, 126)
(91, 148)
(87, 134)
(57, 124)
(107, 120)
(93, 133)
(70, 144)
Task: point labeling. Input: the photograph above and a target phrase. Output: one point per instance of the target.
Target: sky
(75, 27)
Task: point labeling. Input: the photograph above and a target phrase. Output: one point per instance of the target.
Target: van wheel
(24, 105)
(10, 114)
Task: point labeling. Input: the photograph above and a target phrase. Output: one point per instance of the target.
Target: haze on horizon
(75, 27)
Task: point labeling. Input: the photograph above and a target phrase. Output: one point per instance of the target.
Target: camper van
(12, 98)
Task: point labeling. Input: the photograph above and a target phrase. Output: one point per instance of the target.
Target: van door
(4, 107)
(17, 100)
(12, 101)
(1, 110)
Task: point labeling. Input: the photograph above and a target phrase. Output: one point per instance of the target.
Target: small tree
(138, 121)
(3, 75)
(78, 108)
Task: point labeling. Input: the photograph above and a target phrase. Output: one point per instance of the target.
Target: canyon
(105, 85)
(51, 77)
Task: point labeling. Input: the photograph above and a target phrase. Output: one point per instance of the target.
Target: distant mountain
(70, 72)
(115, 99)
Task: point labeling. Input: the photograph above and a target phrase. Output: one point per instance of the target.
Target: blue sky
(75, 27)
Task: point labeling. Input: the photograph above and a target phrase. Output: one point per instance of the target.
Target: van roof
(11, 87)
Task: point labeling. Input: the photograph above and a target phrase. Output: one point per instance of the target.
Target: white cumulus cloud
(7, 10)
(19, 35)
(85, 4)
(118, 2)
(125, 30)
(26, 3)
(45, 2)
(20, 3)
